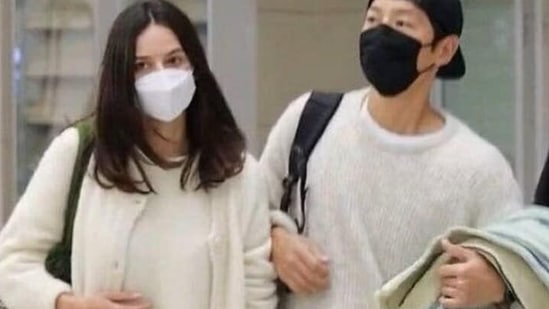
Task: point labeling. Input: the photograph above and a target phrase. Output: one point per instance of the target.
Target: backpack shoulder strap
(85, 150)
(315, 117)
(58, 260)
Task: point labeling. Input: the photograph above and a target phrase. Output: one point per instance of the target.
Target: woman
(171, 214)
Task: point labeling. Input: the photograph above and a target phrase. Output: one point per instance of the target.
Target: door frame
(531, 110)
(7, 111)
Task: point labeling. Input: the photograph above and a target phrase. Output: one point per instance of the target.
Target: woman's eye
(175, 61)
(140, 66)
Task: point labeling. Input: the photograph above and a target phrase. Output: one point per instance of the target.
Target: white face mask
(165, 94)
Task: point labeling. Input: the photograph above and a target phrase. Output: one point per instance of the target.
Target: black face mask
(389, 59)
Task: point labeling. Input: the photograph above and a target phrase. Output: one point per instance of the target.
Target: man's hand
(299, 263)
(107, 300)
(468, 280)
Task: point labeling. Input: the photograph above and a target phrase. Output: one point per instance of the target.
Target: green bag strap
(85, 150)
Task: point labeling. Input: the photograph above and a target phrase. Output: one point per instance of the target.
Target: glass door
(485, 98)
(55, 71)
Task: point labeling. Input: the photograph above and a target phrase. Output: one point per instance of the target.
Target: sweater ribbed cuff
(44, 296)
(281, 219)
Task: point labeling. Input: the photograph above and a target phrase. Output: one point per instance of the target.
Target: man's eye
(371, 18)
(403, 24)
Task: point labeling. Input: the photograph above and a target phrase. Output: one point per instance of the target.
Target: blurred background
(264, 54)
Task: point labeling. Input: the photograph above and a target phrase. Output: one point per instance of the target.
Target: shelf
(44, 120)
(43, 116)
(60, 20)
(59, 103)
(47, 28)
(69, 55)
(63, 75)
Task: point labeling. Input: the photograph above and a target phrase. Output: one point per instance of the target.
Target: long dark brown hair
(216, 145)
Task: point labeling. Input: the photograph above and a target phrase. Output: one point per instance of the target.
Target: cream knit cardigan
(239, 243)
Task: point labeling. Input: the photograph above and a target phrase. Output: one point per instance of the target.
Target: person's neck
(409, 113)
(167, 140)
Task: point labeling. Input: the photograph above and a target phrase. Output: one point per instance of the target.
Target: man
(390, 172)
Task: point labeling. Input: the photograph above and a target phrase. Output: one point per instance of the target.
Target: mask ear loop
(427, 69)
(432, 66)
(439, 34)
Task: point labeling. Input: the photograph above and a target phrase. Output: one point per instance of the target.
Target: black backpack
(318, 111)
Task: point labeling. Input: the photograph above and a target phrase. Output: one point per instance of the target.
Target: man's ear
(445, 49)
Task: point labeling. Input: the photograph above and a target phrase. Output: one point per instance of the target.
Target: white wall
(232, 50)
(304, 45)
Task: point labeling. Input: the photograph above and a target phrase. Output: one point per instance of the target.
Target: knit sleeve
(275, 158)
(35, 226)
(495, 191)
(259, 273)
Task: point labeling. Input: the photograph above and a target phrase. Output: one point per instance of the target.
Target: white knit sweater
(375, 199)
(182, 222)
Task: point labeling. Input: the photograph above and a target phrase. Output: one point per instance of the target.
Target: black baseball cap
(446, 16)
